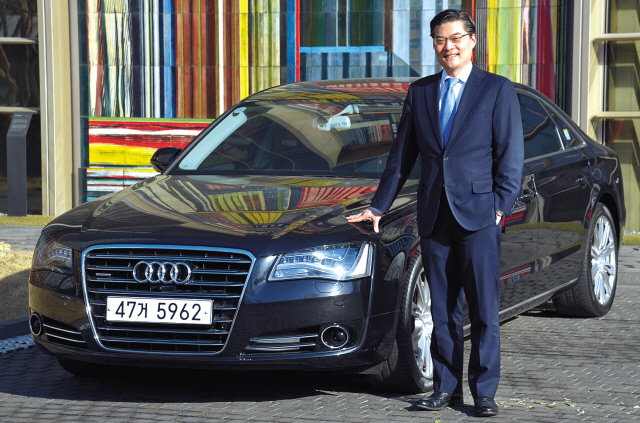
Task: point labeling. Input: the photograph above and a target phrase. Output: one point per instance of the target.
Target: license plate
(159, 310)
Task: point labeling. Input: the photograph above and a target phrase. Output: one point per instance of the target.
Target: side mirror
(163, 157)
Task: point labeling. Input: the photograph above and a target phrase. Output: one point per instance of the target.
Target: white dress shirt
(458, 89)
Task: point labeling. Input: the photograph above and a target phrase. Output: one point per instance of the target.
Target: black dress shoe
(439, 400)
(485, 407)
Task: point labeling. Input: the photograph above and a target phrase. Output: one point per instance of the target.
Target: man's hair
(451, 15)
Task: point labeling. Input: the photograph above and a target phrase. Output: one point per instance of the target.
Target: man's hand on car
(366, 214)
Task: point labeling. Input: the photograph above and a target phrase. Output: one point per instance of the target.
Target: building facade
(121, 78)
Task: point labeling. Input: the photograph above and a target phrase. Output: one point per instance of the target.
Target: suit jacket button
(446, 158)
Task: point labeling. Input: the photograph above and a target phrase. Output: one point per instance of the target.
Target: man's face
(454, 57)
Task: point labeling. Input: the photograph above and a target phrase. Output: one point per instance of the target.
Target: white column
(55, 106)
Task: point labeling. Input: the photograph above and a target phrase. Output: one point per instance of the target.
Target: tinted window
(263, 143)
(540, 136)
(299, 138)
(566, 135)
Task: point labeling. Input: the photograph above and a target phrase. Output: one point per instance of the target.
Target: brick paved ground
(554, 369)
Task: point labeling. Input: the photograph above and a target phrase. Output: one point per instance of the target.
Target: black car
(238, 255)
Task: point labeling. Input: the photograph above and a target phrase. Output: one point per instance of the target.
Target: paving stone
(17, 343)
(554, 369)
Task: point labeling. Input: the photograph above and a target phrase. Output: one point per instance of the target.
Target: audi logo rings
(165, 272)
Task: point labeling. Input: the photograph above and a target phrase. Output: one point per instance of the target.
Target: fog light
(35, 323)
(335, 336)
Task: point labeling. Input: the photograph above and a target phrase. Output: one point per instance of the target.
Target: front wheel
(592, 295)
(409, 368)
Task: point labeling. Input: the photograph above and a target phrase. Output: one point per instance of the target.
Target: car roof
(348, 90)
(339, 90)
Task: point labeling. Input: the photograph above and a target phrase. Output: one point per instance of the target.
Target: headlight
(336, 262)
(53, 256)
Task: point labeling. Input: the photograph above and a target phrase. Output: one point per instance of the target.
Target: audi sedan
(238, 254)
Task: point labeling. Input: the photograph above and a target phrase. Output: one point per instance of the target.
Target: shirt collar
(462, 76)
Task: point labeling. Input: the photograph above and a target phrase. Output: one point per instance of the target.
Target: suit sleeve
(402, 158)
(508, 148)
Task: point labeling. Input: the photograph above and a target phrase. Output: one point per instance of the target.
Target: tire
(92, 370)
(593, 293)
(409, 367)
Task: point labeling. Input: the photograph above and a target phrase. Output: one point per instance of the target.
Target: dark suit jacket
(481, 166)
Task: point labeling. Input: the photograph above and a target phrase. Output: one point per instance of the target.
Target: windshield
(298, 138)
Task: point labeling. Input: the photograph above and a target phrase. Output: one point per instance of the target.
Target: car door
(563, 185)
(518, 247)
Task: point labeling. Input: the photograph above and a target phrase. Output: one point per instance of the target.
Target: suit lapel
(471, 91)
(432, 93)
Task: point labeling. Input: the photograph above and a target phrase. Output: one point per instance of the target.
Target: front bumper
(267, 311)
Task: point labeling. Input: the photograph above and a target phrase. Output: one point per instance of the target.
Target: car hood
(262, 214)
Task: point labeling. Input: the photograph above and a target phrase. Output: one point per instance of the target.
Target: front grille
(61, 333)
(219, 275)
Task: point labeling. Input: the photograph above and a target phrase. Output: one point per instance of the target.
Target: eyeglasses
(455, 39)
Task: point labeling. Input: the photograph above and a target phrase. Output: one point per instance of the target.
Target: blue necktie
(448, 112)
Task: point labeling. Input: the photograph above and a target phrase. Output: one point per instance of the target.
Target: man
(465, 124)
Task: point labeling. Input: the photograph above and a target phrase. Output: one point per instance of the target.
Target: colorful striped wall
(524, 40)
(120, 149)
(154, 72)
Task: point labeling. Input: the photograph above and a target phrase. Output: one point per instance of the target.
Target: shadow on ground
(169, 385)
(545, 310)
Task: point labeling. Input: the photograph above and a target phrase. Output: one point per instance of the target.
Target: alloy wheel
(603, 260)
(422, 325)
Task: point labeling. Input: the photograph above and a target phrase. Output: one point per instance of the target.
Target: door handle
(527, 196)
(582, 180)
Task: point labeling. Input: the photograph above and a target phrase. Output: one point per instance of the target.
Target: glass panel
(34, 170)
(624, 16)
(623, 137)
(540, 136)
(19, 77)
(298, 138)
(19, 19)
(623, 67)
(342, 23)
(567, 137)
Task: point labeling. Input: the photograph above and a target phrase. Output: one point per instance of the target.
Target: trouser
(456, 259)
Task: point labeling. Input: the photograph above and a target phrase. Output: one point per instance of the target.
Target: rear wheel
(593, 294)
(409, 368)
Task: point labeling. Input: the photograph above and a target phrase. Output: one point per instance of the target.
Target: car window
(567, 136)
(262, 143)
(299, 138)
(540, 136)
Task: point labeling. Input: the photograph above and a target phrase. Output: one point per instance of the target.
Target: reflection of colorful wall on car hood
(258, 205)
(278, 209)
